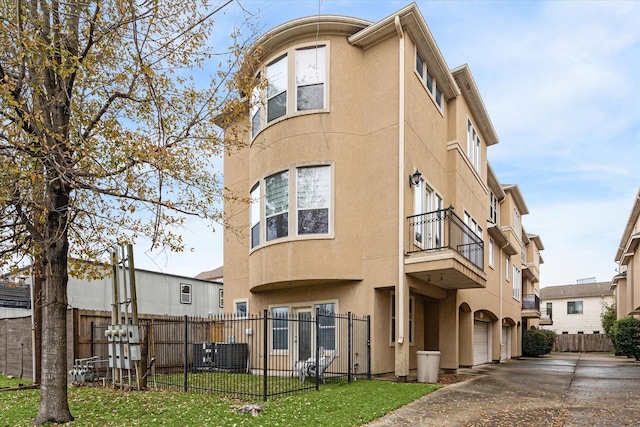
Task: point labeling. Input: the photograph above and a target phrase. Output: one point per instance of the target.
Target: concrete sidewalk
(561, 389)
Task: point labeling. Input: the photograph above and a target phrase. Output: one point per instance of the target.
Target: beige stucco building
(626, 284)
(366, 166)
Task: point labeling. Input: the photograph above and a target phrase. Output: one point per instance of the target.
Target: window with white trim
(473, 146)
(221, 298)
(185, 293)
(326, 325)
(255, 215)
(311, 74)
(516, 283)
(312, 191)
(427, 224)
(256, 108)
(277, 205)
(280, 328)
(574, 307)
(507, 267)
(491, 252)
(241, 307)
(276, 74)
(308, 86)
(428, 81)
(313, 197)
(493, 208)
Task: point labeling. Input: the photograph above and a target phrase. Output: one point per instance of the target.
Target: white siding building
(576, 309)
(157, 293)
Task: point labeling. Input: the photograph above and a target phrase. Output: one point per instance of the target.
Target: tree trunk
(54, 406)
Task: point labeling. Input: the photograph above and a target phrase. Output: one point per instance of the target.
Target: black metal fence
(258, 356)
(441, 230)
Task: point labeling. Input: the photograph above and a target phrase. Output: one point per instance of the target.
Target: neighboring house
(215, 275)
(366, 164)
(626, 284)
(15, 299)
(157, 293)
(576, 309)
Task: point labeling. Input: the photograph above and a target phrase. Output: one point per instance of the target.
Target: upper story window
(428, 226)
(311, 71)
(473, 146)
(516, 283)
(428, 80)
(493, 208)
(276, 210)
(313, 199)
(300, 71)
(277, 89)
(256, 108)
(308, 188)
(574, 307)
(255, 215)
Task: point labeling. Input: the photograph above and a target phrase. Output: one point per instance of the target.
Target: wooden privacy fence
(583, 343)
(16, 347)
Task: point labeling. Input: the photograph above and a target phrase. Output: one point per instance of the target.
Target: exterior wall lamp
(415, 179)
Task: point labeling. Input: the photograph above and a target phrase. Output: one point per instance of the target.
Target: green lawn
(334, 405)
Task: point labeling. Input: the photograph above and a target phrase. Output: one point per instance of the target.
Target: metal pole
(132, 282)
(265, 353)
(317, 348)
(92, 341)
(349, 346)
(124, 286)
(186, 350)
(368, 347)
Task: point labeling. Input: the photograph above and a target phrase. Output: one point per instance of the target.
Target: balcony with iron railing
(441, 246)
(530, 306)
(546, 316)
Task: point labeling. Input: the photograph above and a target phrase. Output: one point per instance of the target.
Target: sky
(561, 83)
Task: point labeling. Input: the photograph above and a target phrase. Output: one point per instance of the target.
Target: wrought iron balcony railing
(444, 230)
(531, 302)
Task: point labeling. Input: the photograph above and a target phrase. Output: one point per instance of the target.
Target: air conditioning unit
(231, 356)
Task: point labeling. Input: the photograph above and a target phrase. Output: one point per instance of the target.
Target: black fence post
(368, 347)
(265, 353)
(92, 341)
(186, 352)
(317, 369)
(349, 346)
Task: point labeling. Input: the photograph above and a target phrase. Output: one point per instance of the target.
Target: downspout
(501, 293)
(401, 282)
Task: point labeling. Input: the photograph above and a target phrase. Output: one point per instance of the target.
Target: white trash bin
(428, 366)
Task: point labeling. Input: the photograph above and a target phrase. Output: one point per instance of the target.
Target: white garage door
(480, 342)
(505, 351)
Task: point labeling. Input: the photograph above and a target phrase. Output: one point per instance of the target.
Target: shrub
(537, 342)
(627, 337)
(608, 317)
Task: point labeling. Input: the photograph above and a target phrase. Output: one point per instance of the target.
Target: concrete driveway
(562, 389)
